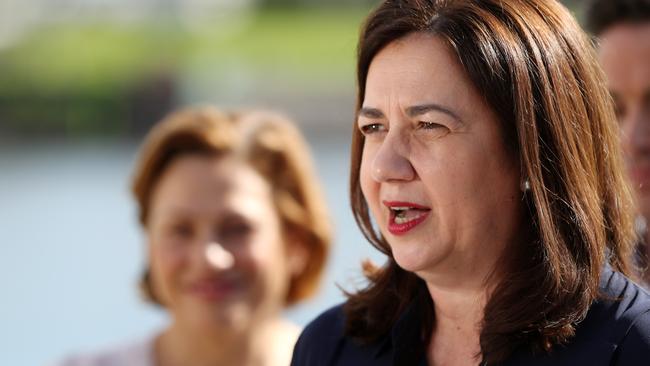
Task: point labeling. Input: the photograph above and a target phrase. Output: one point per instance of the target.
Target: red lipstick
(213, 289)
(404, 216)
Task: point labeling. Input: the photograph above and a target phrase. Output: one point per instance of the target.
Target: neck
(458, 307)
(459, 301)
(460, 287)
(458, 317)
(179, 345)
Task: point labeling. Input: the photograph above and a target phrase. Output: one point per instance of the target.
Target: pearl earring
(525, 185)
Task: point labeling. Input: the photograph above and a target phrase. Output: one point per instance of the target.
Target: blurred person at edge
(623, 29)
(486, 165)
(237, 230)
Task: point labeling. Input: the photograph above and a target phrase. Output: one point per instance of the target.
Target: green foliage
(88, 58)
(304, 49)
(76, 77)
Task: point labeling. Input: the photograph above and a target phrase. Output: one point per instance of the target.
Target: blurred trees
(107, 77)
(320, 3)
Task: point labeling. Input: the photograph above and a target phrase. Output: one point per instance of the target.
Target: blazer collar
(407, 339)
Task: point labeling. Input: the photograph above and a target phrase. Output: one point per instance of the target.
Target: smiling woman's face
(435, 171)
(216, 248)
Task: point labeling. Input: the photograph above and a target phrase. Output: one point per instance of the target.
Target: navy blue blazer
(614, 332)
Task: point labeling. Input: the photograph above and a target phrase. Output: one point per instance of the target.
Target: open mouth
(405, 216)
(402, 215)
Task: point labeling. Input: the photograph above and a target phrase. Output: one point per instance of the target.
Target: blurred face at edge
(625, 57)
(435, 171)
(216, 247)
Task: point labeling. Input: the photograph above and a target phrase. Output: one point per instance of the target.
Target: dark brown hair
(602, 14)
(537, 70)
(271, 145)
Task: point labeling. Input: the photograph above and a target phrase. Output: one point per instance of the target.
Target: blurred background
(81, 81)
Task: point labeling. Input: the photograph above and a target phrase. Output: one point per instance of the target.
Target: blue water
(72, 251)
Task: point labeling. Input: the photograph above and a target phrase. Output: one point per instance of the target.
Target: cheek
(254, 257)
(448, 178)
(264, 254)
(497, 185)
(271, 265)
(369, 187)
(265, 263)
(469, 178)
(166, 269)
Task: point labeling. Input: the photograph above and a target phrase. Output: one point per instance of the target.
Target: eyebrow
(412, 111)
(418, 110)
(371, 113)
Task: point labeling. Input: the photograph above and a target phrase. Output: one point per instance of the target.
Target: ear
(148, 250)
(297, 253)
(147, 283)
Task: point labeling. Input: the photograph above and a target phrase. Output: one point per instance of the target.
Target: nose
(218, 257)
(390, 162)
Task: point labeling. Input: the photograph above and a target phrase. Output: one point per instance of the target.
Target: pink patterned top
(139, 353)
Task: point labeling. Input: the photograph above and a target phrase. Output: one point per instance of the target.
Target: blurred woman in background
(237, 231)
(623, 32)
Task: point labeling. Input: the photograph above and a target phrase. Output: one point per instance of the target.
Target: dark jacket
(614, 332)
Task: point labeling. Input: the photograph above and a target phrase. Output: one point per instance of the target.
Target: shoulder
(632, 313)
(625, 313)
(127, 354)
(635, 346)
(329, 324)
(615, 331)
(319, 340)
(622, 300)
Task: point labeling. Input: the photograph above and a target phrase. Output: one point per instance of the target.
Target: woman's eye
(429, 125)
(182, 231)
(371, 128)
(233, 231)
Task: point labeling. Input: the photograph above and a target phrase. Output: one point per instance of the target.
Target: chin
(419, 256)
(232, 317)
(411, 262)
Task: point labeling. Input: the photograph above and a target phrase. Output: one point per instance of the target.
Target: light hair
(272, 146)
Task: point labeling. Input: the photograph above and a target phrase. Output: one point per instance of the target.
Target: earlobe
(147, 284)
(298, 256)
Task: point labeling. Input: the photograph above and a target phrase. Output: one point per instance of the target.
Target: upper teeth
(399, 208)
(400, 212)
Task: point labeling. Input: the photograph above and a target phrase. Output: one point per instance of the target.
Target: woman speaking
(485, 165)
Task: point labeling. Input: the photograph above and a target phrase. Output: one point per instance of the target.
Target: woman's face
(216, 249)
(625, 57)
(437, 176)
